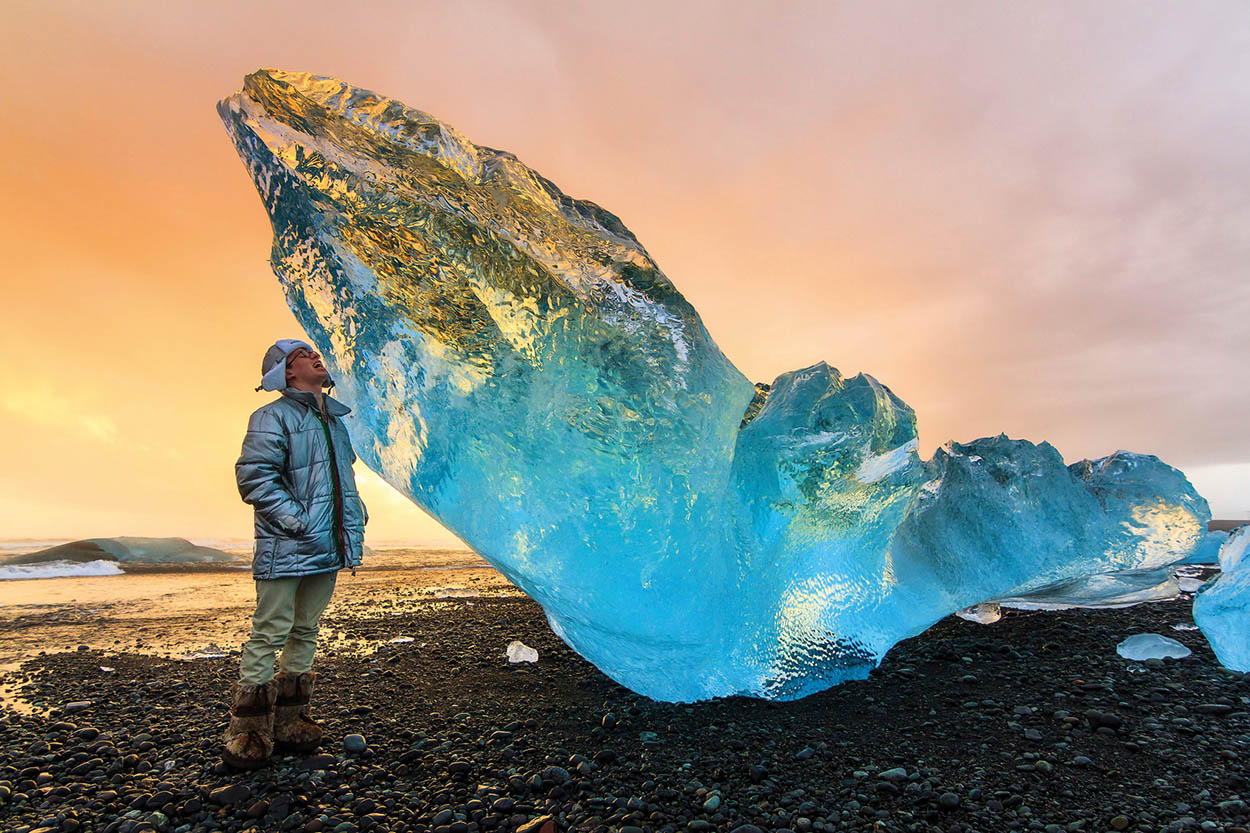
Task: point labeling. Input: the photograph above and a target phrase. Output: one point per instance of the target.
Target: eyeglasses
(300, 353)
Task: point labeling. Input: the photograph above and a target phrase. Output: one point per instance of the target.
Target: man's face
(304, 366)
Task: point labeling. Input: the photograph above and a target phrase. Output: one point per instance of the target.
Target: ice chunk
(1144, 646)
(1222, 606)
(983, 614)
(520, 367)
(207, 654)
(518, 651)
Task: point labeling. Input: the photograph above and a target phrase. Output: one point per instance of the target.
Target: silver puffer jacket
(287, 472)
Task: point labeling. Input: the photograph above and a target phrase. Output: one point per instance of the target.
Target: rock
(805, 753)
(542, 824)
(556, 774)
(896, 774)
(354, 744)
(230, 794)
(712, 804)
(948, 801)
(323, 761)
(1120, 823)
(76, 706)
(1217, 709)
(1101, 720)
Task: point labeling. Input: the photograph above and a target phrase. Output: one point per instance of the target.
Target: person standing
(295, 470)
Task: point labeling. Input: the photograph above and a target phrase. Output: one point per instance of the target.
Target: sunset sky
(1030, 218)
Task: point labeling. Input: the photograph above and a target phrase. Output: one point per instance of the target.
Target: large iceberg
(521, 368)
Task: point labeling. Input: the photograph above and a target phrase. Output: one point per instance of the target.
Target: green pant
(288, 613)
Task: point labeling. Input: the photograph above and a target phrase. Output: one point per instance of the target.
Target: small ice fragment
(985, 613)
(400, 639)
(1143, 646)
(170, 764)
(1185, 626)
(204, 655)
(520, 652)
(107, 669)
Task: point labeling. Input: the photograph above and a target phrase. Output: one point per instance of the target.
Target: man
(296, 470)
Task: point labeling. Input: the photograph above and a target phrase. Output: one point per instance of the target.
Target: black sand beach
(1032, 723)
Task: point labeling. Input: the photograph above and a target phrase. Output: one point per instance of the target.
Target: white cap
(273, 365)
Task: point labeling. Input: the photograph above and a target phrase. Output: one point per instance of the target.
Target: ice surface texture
(1222, 607)
(521, 368)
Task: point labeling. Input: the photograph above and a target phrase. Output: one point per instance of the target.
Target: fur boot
(249, 737)
(293, 729)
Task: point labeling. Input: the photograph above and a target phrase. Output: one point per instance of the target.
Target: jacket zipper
(339, 543)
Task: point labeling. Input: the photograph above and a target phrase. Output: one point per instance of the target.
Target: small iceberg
(1144, 646)
(60, 569)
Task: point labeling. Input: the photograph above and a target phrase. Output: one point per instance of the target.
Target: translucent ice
(1144, 646)
(986, 613)
(518, 651)
(1208, 551)
(1222, 607)
(521, 368)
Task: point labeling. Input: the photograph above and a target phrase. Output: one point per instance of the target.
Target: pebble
(354, 744)
(230, 794)
(542, 824)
